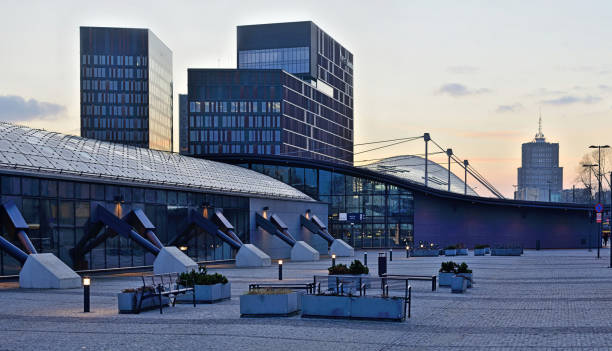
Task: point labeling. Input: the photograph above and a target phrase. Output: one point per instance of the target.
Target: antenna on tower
(540, 135)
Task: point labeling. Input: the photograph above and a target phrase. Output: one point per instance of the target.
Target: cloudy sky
(474, 74)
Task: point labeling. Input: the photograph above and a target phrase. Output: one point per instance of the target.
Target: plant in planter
(332, 305)
(446, 273)
(128, 299)
(450, 250)
(351, 277)
(208, 288)
(461, 250)
(479, 250)
(462, 270)
(268, 302)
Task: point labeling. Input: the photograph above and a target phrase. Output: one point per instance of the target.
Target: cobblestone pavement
(553, 299)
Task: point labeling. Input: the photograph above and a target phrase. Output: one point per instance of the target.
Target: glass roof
(43, 151)
(412, 168)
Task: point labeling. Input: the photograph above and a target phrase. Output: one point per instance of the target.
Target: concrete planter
(450, 252)
(207, 294)
(467, 275)
(269, 305)
(487, 250)
(424, 253)
(444, 279)
(367, 307)
(458, 284)
(462, 252)
(128, 302)
(479, 252)
(506, 252)
(350, 282)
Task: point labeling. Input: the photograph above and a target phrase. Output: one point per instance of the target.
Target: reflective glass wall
(362, 212)
(57, 212)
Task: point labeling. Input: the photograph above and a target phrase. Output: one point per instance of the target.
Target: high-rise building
(126, 87)
(540, 178)
(183, 124)
(291, 95)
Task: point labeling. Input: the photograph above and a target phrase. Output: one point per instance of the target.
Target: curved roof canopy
(412, 168)
(38, 150)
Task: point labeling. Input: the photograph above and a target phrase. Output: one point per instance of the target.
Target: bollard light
(390, 255)
(407, 251)
(183, 248)
(365, 259)
(333, 260)
(280, 269)
(86, 284)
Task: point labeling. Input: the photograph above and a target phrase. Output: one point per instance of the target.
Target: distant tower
(540, 178)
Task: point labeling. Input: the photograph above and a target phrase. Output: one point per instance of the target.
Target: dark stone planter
(128, 302)
(207, 294)
(269, 305)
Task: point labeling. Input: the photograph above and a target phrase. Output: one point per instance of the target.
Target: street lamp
(590, 166)
(599, 147)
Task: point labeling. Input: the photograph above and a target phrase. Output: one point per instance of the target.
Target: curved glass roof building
(412, 168)
(25, 149)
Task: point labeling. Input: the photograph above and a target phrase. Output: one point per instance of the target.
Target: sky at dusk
(474, 74)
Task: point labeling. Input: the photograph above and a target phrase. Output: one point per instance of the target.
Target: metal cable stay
(469, 169)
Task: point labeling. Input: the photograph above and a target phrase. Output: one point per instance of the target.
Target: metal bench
(432, 278)
(309, 287)
(162, 285)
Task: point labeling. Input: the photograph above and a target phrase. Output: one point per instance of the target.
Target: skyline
(481, 97)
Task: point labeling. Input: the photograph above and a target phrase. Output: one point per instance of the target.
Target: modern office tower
(540, 178)
(183, 124)
(291, 95)
(126, 87)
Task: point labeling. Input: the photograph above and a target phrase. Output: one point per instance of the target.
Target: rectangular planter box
(479, 252)
(487, 250)
(458, 284)
(326, 306)
(128, 302)
(378, 308)
(367, 307)
(424, 253)
(444, 279)
(452, 252)
(269, 305)
(506, 252)
(467, 275)
(462, 252)
(207, 294)
(350, 283)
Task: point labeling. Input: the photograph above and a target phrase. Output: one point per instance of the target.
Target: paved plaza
(552, 299)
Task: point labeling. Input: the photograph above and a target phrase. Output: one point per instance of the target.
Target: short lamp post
(333, 260)
(390, 255)
(86, 285)
(365, 258)
(407, 251)
(280, 269)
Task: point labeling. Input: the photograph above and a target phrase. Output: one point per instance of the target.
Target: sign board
(598, 218)
(351, 217)
(599, 208)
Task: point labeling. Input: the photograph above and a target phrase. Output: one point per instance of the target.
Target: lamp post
(449, 152)
(590, 166)
(599, 147)
(427, 138)
(407, 251)
(333, 260)
(86, 285)
(465, 166)
(280, 269)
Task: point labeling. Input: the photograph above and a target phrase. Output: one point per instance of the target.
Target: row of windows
(111, 98)
(120, 60)
(131, 123)
(225, 135)
(113, 73)
(234, 121)
(114, 111)
(114, 85)
(135, 138)
(202, 149)
(235, 106)
(292, 60)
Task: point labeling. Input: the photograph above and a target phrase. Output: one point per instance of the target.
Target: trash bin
(382, 264)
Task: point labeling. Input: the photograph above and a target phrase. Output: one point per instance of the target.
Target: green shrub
(448, 267)
(450, 247)
(463, 268)
(192, 278)
(356, 268)
(480, 246)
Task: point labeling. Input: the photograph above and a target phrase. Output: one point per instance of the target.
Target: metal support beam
(272, 229)
(427, 138)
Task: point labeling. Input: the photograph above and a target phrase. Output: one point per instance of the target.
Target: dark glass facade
(267, 112)
(387, 210)
(57, 212)
(183, 124)
(126, 87)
